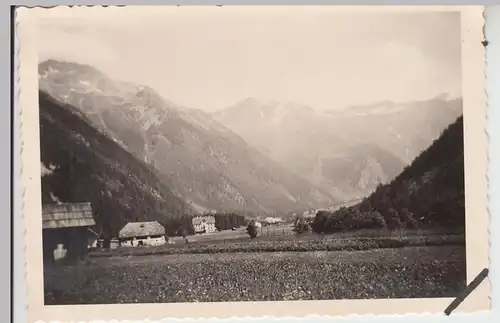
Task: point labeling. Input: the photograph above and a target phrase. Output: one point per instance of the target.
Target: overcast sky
(212, 57)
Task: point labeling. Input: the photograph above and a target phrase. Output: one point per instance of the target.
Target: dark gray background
(10, 118)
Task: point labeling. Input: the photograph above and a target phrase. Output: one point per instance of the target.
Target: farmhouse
(65, 231)
(142, 234)
(204, 224)
(272, 220)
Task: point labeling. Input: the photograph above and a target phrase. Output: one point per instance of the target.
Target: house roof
(67, 215)
(199, 219)
(141, 229)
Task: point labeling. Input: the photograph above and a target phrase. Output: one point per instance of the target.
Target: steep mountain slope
(405, 129)
(207, 164)
(429, 193)
(369, 144)
(80, 164)
(357, 169)
(433, 186)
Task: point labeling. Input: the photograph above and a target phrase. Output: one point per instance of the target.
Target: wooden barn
(65, 231)
(136, 234)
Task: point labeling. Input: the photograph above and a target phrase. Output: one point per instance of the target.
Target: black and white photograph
(232, 155)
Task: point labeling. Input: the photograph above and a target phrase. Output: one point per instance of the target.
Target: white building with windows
(204, 224)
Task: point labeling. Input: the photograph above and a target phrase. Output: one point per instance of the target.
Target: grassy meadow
(356, 265)
(261, 276)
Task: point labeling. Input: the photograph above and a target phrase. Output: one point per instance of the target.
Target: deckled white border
(477, 229)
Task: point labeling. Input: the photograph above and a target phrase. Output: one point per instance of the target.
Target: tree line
(227, 221)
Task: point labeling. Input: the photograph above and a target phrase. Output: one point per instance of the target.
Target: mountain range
(204, 162)
(264, 157)
(348, 152)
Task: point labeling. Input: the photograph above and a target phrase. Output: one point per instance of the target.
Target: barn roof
(67, 215)
(141, 229)
(200, 219)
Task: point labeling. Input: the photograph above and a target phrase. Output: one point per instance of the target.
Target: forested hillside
(427, 194)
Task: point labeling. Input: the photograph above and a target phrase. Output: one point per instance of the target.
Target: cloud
(210, 59)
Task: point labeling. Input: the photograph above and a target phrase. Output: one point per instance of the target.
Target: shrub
(335, 222)
(373, 220)
(353, 220)
(379, 219)
(252, 230)
(394, 221)
(319, 223)
(408, 219)
(301, 226)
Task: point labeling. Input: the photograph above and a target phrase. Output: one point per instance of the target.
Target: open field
(220, 235)
(280, 243)
(380, 273)
(285, 231)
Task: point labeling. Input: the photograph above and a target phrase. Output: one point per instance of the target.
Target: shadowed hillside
(81, 164)
(427, 194)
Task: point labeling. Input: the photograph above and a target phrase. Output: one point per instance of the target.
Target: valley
(263, 158)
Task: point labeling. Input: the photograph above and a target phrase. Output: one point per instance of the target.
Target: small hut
(136, 234)
(65, 231)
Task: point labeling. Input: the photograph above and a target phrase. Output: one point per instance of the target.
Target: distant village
(69, 231)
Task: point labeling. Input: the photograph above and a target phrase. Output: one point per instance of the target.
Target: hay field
(430, 271)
